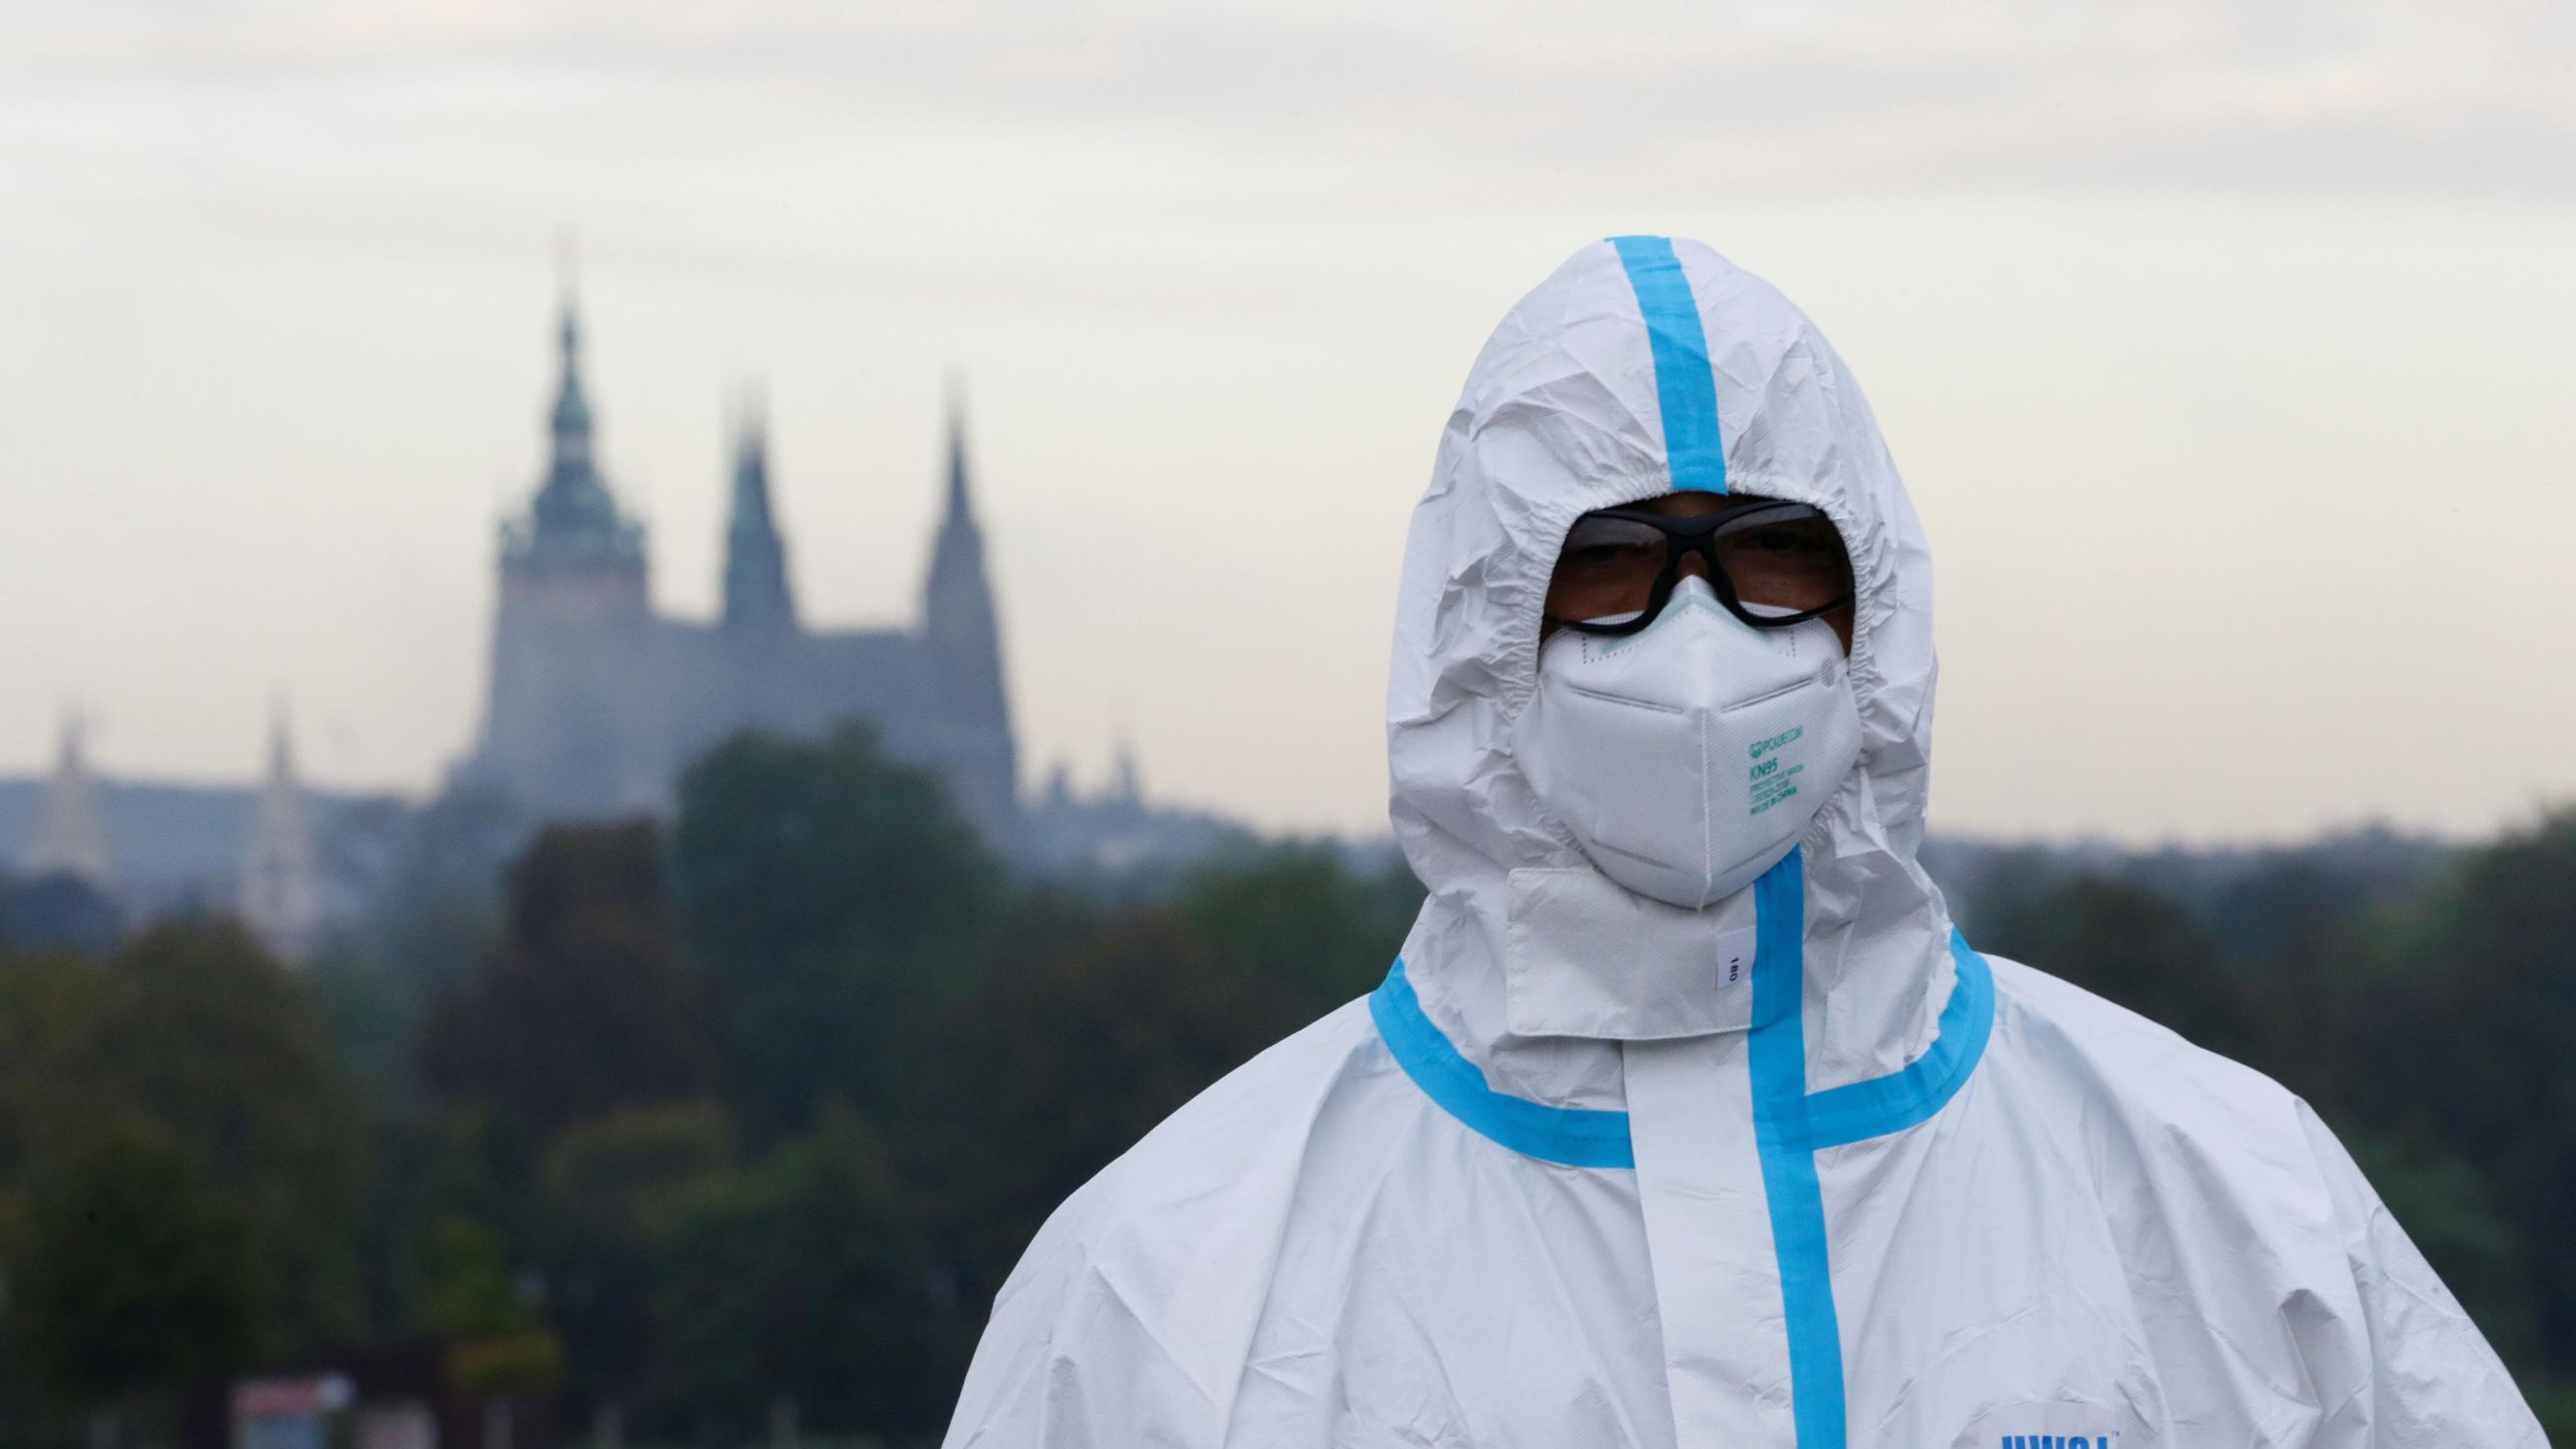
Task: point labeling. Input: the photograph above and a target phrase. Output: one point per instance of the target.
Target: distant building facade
(596, 702)
(148, 850)
(1116, 829)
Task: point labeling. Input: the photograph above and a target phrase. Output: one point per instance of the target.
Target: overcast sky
(2226, 347)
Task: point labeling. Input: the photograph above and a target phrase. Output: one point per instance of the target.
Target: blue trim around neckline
(1571, 1136)
(1858, 1111)
(1587, 1137)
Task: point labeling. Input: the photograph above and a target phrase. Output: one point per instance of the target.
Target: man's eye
(1788, 540)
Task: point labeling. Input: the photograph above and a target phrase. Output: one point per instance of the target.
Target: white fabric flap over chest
(1584, 957)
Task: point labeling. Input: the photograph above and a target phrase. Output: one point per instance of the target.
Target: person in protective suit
(1685, 1119)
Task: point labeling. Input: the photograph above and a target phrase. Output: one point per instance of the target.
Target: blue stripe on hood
(1694, 450)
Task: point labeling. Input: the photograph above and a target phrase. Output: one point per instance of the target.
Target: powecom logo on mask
(2061, 1441)
(1764, 747)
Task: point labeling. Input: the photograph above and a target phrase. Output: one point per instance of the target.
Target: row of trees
(764, 1104)
(2420, 1000)
(183, 1171)
(684, 1121)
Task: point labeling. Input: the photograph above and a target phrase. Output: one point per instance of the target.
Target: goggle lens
(1608, 568)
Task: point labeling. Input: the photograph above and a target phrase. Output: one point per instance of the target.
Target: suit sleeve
(1076, 1355)
(2432, 1379)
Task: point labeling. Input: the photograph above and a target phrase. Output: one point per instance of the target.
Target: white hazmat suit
(1582, 1175)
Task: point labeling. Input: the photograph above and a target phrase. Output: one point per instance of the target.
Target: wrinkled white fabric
(1572, 1181)
(1688, 757)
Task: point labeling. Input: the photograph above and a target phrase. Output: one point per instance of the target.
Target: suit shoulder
(1210, 1160)
(1253, 1109)
(2064, 1038)
(1156, 1269)
(2216, 1176)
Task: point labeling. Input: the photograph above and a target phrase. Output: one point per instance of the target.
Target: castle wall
(595, 712)
(576, 723)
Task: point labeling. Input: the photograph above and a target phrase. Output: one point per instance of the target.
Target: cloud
(1769, 96)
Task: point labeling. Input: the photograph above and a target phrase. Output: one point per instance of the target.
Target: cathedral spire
(960, 508)
(281, 897)
(757, 600)
(962, 630)
(71, 836)
(570, 422)
(957, 595)
(1126, 778)
(575, 519)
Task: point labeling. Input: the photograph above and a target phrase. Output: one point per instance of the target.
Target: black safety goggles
(1772, 564)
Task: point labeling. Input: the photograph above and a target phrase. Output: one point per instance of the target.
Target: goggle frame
(1699, 535)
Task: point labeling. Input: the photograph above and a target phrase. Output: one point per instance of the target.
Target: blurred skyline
(2224, 348)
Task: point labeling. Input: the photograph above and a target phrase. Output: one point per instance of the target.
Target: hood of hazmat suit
(1798, 1168)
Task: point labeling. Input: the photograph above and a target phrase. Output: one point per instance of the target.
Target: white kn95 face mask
(1689, 757)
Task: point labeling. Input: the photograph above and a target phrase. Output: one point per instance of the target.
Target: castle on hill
(596, 702)
(593, 704)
